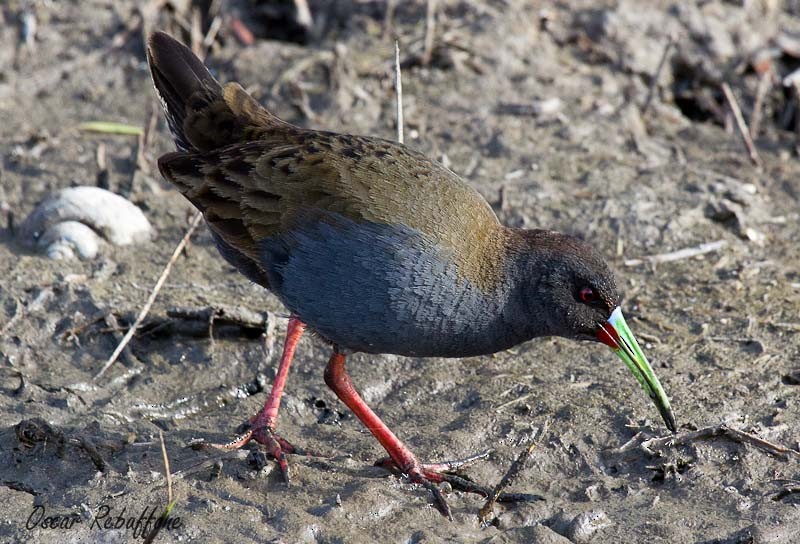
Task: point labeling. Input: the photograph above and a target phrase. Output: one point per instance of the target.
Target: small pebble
(585, 525)
(547, 107)
(593, 492)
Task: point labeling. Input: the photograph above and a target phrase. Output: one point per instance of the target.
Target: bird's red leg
(427, 475)
(262, 425)
(401, 458)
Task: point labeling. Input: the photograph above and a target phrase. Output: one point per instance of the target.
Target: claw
(438, 499)
(239, 442)
(276, 446)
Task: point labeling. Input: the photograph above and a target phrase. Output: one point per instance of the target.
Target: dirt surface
(722, 329)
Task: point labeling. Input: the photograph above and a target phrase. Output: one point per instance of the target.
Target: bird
(377, 249)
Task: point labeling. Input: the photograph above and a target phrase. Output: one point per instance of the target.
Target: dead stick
(170, 501)
(388, 27)
(142, 143)
(430, 32)
(760, 443)
(650, 446)
(654, 82)
(515, 400)
(167, 472)
(150, 129)
(741, 124)
(144, 140)
(513, 471)
(196, 33)
(211, 35)
(398, 90)
(205, 42)
(235, 315)
(685, 253)
(160, 283)
(764, 84)
(112, 323)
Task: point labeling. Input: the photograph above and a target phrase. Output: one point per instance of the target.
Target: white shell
(69, 222)
(63, 240)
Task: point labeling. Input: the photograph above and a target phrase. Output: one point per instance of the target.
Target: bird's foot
(435, 468)
(429, 475)
(262, 431)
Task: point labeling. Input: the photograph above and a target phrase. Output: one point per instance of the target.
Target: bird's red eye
(588, 295)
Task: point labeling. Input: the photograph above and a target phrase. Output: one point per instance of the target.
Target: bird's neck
(523, 313)
(503, 310)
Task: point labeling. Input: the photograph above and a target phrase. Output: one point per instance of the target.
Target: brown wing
(253, 190)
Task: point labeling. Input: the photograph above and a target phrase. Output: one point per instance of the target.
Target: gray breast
(382, 288)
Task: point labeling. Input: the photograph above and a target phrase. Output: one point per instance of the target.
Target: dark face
(578, 288)
(573, 294)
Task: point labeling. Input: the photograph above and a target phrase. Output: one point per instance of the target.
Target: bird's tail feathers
(202, 114)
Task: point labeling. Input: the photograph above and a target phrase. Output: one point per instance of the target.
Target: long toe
(443, 466)
(462, 483)
(273, 444)
(431, 474)
(457, 465)
(419, 477)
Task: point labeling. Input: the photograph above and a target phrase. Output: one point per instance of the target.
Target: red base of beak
(609, 337)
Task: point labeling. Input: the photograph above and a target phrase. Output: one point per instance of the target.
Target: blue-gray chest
(381, 288)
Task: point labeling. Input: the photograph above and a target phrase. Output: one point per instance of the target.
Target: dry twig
(764, 85)
(513, 471)
(167, 472)
(686, 253)
(113, 325)
(213, 28)
(242, 33)
(143, 142)
(654, 82)
(162, 520)
(196, 33)
(513, 401)
(741, 125)
(235, 315)
(159, 284)
(398, 89)
(388, 17)
(652, 446)
(790, 487)
(430, 33)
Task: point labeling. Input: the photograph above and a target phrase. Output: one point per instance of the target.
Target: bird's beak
(616, 334)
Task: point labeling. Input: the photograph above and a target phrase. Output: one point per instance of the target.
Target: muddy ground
(722, 329)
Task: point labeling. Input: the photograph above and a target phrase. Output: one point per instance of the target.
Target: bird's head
(573, 293)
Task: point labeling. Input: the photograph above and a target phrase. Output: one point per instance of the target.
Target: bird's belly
(381, 289)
